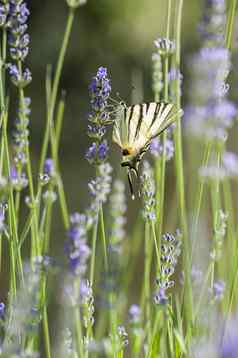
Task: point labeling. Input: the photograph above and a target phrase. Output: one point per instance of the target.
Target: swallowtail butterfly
(135, 127)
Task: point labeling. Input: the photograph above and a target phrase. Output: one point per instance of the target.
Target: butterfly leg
(130, 184)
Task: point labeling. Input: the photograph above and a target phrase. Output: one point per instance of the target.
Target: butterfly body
(136, 126)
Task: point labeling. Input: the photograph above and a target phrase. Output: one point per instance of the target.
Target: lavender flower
(87, 303)
(17, 179)
(2, 310)
(211, 114)
(74, 4)
(2, 218)
(170, 251)
(157, 71)
(18, 38)
(19, 41)
(122, 337)
(135, 313)
(4, 12)
(19, 78)
(49, 167)
(99, 89)
(117, 211)
(160, 298)
(97, 153)
(49, 196)
(174, 75)
(229, 347)
(21, 134)
(76, 248)
(99, 189)
(218, 290)
(67, 346)
(148, 192)
(165, 46)
(212, 27)
(230, 163)
(157, 148)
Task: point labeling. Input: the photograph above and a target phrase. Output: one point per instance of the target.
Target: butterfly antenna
(122, 102)
(130, 184)
(114, 100)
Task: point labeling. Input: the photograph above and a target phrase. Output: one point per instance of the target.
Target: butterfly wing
(137, 125)
(120, 129)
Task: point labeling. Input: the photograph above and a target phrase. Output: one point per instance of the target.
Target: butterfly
(135, 127)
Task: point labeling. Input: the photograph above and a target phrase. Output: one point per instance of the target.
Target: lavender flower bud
(74, 4)
(117, 211)
(218, 290)
(148, 192)
(165, 46)
(2, 217)
(49, 167)
(135, 313)
(157, 72)
(2, 310)
(157, 148)
(4, 12)
(20, 80)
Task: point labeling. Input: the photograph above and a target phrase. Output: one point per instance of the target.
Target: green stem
(78, 327)
(55, 87)
(35, 240)
(156, 245)
(93, 256)
(163, 159)
(12, 213)
(230, 23)
(103, 238)
(178, 131)
(198, 200)
(46, 332)
(55, 140)
(147, 292)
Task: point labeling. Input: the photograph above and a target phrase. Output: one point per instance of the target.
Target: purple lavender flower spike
(76, 247)
(218, 290)
(229, 346)
(17, 23)
(170, 251)
(160, 298)
(99, 117)
(211, 113)
(2, 310)
(230, 162)
(134, 313)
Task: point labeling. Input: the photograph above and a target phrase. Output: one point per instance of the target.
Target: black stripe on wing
(158, 108)
(131, 109)
(140, 119)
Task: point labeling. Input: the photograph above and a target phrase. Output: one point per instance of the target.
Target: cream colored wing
(137, 125)
(159, 116)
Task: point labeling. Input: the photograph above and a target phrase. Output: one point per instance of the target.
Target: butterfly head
(130, 160)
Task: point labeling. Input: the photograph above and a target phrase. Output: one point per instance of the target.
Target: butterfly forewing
(137, 125)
